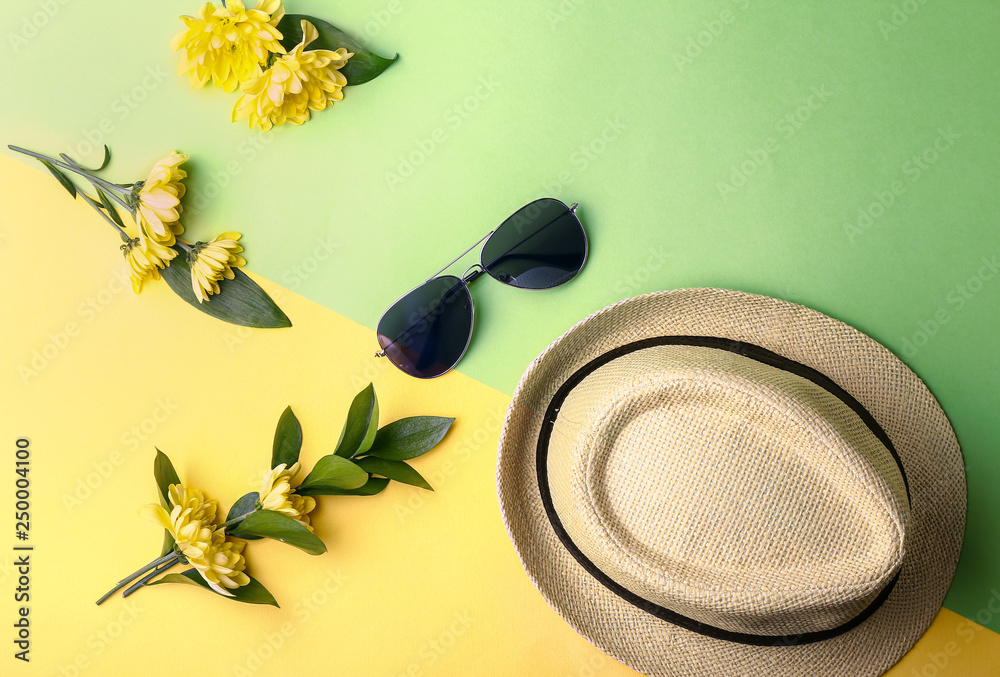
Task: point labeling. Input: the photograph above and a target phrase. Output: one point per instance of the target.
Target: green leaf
(62, 178)
(361, 425)
(409, 437)
(360, 68)
(239, 301)
(251, 593)
(287, 440)
(71, 161)
(245, 505)
(270, 524)
(373, 486)
(334, 471)
(107, 158)
(163, 471)
(394, 470)
(109, 206)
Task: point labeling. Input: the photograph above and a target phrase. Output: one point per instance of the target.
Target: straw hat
(708, 482)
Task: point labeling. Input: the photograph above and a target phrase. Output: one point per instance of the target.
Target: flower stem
(116, 190)
(172, 555)
(145, 579)
(235, 520)
(107, 218)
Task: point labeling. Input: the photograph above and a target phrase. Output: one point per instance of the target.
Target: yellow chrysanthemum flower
(221, 564)
(159, 199)
(228, 44)
(297, 82)
(190, 520)
(212, 261)
(145, 257)
(276, 494)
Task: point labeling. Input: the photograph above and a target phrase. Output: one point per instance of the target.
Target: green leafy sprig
(240, 301)
(363, 463)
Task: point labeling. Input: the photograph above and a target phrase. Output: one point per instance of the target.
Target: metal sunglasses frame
(477, 271)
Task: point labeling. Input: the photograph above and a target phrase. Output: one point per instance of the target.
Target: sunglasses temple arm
(459, 256)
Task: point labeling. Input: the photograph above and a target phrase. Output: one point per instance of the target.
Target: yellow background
(414, 583)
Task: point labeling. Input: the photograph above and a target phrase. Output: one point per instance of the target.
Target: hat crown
(731, 492)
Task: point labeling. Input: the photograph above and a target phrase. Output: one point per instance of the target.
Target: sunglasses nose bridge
(476, 270)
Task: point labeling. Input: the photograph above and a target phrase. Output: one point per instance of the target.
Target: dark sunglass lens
(540, 246)
(426, 332)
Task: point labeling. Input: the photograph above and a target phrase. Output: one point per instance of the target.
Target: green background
(839, 155)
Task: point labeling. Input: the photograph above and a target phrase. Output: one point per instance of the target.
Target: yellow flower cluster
(276, 494)
(191, 522)
(212, 261)
(159, 199)
(233, 46)
(224, 567)
(145, 257)
(300, 81)
(228, 44)
(157, 217)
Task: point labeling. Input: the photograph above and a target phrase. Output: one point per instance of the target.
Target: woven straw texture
(721, 488)
(702, 546)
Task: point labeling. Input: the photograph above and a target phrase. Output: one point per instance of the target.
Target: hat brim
(887, 388)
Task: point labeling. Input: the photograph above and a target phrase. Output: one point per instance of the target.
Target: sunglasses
(427, 331)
